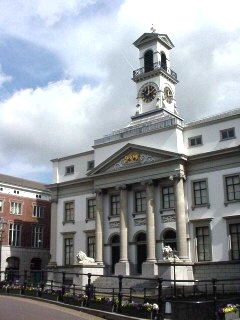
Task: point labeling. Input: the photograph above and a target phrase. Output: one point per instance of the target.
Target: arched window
(163, 60)
(169, 239)
(148, 61)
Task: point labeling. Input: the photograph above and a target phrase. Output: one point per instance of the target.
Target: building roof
(15, 181)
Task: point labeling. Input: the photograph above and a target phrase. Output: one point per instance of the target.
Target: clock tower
(154, 79)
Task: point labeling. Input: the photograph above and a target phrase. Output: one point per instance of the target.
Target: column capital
(121, 187)
(147, 182)
(97, 191)
(178, 175)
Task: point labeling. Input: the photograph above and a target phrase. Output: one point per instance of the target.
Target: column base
(149, 269)
(122, 268)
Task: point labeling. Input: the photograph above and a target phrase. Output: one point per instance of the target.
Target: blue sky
(66, 65)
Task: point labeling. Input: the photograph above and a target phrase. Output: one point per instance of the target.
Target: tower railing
(156, 66)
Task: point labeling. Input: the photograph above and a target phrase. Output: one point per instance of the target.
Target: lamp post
(3, 225)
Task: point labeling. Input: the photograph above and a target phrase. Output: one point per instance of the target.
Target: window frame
(69, 214)
(37, 236)
(38, 211)
(70, 257)
(1, 205)
(19, 204)
(69, 170)
(115, 205)
(140, 204)
(196, 144)
(90, 165)
(15, 234)
(163, 208)
(226, 193)
(227, 132)
(201, 223)
(91, 209)
(194, 204)
(91, 247)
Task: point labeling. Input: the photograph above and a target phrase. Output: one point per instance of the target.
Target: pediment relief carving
(134, 159)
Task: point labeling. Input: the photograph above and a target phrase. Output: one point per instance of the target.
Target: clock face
(148, 93)
(168, 96)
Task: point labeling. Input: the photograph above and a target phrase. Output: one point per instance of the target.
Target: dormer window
(90, 165)
(69, 170)
(148, 61)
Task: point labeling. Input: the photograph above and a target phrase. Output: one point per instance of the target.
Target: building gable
(133, 156)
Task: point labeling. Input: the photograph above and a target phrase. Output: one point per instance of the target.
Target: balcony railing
(156, 66)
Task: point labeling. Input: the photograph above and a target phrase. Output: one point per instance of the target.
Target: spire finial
(153, 29)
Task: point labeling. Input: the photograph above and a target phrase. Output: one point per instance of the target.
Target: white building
(156, 182)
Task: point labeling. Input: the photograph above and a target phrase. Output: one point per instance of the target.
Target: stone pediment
(133, 156)
(148, 37)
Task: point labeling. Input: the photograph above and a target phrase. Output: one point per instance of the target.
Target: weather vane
(153, 29)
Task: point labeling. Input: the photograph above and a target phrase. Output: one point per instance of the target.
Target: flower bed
(75, 299)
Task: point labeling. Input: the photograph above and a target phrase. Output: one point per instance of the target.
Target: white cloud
(3, 77)
(95, 48)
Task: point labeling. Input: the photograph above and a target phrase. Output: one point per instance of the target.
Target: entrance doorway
(115, 251)
(141, 251)
(36, 266)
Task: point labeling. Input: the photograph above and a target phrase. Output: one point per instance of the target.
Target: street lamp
(3, 225)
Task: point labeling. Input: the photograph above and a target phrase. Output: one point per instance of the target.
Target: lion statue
(83, 258)
(168, 254)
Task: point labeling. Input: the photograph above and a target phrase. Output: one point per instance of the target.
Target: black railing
(156, 66)
(186, 298)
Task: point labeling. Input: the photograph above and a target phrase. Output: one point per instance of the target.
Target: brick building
(25, 206)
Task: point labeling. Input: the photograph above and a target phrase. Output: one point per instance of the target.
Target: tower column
(180, 218)
(149, 267)
(122, 267)
(99, 228)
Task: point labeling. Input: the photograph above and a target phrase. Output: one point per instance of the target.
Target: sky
(66, 69)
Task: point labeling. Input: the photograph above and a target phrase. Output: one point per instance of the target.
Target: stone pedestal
(149, 269)
(122, 268)
(177, 270)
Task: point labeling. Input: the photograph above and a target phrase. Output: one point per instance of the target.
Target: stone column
(53, 235)
(149, 268)
(99, 228)
(122, 267)
(180, 218)
(150, 218)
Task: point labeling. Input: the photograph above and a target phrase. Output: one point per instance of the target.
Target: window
(232, 188)
(91, 208)
(200, 193)
(195, 141)
(148, 61)
(16, 191)
(69, 170)
(169, 239)
(14, 236)
(38, 212)
(168, 197)
(68, 251)
(16, 208)
(91, 247)
(1, 205)
(227, 134)
(234, 231)
(69, 211)
(163, 61)
(203, 243)
(140, 201)
(37, 236)
(115, 205)
(90, 165)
